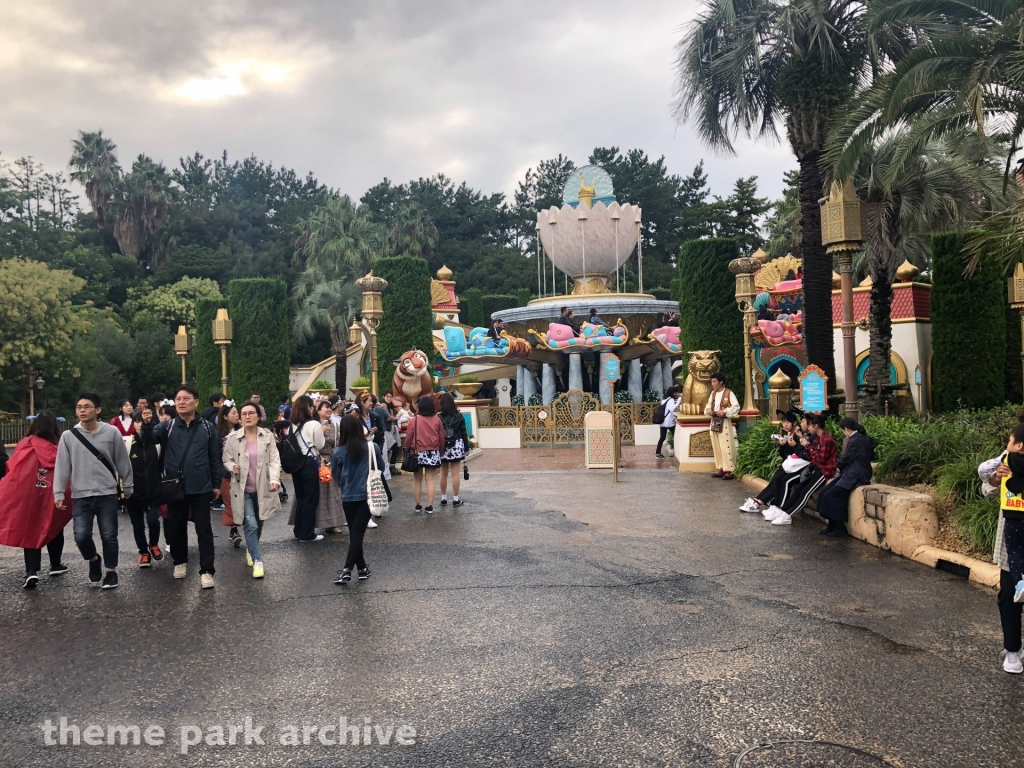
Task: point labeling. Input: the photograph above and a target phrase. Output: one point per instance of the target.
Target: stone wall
(893, 518)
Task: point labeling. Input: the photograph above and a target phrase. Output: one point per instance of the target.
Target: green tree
(140, 208)
(408, 319)
(94, 158)
(475, 308)
(763, 63)
(259, 352)
(170, 305)
(412, 233)
(196, 261)
(708, 318)
(740, 215)
(783, 224)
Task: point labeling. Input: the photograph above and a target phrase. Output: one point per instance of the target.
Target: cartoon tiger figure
(412, 377)
(697, 388)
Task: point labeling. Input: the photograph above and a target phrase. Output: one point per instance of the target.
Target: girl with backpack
(667, 413)
(143, 505)
(456, 439)
(424, 442)
(351, 468)
(310, 437)
(329, 514)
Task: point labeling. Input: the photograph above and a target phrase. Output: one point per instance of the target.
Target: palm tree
(412, 232)
(94, 159)
(338, 243)
(947, 182)
(753, 66)
(140, 206)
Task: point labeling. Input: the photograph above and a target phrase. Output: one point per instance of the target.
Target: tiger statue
(412, 377)
(697, 388)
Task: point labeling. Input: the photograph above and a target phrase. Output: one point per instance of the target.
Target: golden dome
(444, 273)
(906, 272)
(760, 255)
(837, 281)
(780, 380)
(867, 282)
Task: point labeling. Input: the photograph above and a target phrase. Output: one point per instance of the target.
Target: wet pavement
(554, 620)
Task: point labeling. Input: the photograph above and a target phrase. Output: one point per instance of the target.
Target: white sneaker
(783, 519)
(772, 512)
(180, 571)
(750, 505)
(206, 581)
(371, 524)
(1012, 662)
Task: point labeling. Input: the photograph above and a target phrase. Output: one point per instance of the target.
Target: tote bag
(376, 496)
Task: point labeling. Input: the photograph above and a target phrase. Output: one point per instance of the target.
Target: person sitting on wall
(787, 443)
(821, 451)
(854, 468)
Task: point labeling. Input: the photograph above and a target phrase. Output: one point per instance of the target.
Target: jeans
(357, 513)
(307, 499)
(1013, 537)
(141, 519)
(104, 509)
(1009, 611)
(176, 530)
(252, 526)
(34, 557)
(661, 438)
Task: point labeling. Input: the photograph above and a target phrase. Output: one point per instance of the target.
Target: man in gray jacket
(92, 455)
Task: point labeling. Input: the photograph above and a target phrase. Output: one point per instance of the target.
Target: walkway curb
(980, 572)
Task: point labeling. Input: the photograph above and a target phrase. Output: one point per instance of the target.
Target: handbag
(794, 464)
(103, 460)
(172, 489)
(376, 495)
(410, 462)
(717, 423)
(465, 471)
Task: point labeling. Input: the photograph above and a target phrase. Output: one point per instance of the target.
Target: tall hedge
(968, 330)
(205, 354)
(1014, 392)
(474, 308)
(708, 317)
(260, 353)
(523, 296)
(496, 303)
(408, 318)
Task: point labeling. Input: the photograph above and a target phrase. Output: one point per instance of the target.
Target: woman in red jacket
(425, 438)
(29, 519)
(123, 421)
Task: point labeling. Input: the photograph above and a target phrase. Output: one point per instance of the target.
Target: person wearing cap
(788, 445)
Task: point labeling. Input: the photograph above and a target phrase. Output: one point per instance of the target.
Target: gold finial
(586, 194)
(780, 380)
(444, 273)
(906, 272)
(760, 255)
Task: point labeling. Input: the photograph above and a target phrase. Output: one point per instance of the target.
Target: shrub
(518, 400)
(663, 294)
(469, 379)
(708, 317)
(536, 400)
(363, 382)
(475, 308)
(623, 396)
(523, 296)
(206, 354)
(260, 354)
(408, 318)
(496, 303)
(321, 385)
(967, 315)
(651, 396)
(757, 454)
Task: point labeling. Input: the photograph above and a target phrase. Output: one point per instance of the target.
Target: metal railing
(569, 410)
(13, 431)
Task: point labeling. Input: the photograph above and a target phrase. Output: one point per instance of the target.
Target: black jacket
(855, 464)
(145, 461)
(202, 466)
(3, 460)
(457, 425)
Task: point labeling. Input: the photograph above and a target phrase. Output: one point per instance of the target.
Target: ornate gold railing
(569, 410)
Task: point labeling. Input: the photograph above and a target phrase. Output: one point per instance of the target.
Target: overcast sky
(356, 91)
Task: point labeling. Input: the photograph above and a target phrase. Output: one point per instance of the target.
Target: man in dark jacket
(191, 451)
(210, 413)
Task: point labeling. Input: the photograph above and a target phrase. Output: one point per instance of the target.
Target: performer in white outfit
(724, 406)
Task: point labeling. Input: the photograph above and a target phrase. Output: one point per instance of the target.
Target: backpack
(659, 413)
(293, 457)
(450, 433)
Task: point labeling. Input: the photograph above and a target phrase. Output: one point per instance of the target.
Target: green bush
(651, 396)
(757, 454)
(662, 294)
(408, 318)
(967, 315)
(361, 383)
(206, 354)
(469, 379)
(536, 400)
(260, 353)
(321, 385)
(496, 303)
(708, 316)
(474, 308)
(623, 396)
(523, 296)
(1014, 392)
(518, 400)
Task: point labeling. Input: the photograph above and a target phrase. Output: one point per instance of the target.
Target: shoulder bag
(410, 462)
(103, 460)
(172, 489)
(376, 494)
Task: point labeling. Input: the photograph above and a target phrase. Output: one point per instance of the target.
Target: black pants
(661, 437)
(777, 489)
(834, 503)
(307, 499)
(176, 530)
(145, 516)
(1013, 538)
(1009, 611)
(800, 492)
(34, 557)
(393, 458)
(357, 514)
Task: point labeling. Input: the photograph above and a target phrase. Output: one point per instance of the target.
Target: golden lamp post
(744, 269)
(842, 230)
(223, 332)
(181, 350)
(373, 310)
(1016, 288)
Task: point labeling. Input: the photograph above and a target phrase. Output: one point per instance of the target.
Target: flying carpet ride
(560, 337)
(457, 348)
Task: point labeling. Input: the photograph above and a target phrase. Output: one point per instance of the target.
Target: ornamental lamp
(39, 382)
(355, 333)
(181, 342)
(1015, 284)
(223, 328)
(372, 287)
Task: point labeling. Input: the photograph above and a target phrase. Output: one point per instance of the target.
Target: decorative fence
(13, 431)
(568, 411)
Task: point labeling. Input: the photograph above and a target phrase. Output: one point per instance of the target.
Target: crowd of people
(166, 464)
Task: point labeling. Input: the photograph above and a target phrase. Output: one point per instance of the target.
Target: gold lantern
(1015, 284)
(373, 310)
(223, 333)
(181, 349)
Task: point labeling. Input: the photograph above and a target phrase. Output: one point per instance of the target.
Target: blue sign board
(611, 368)
(917, 375)
(813, 391)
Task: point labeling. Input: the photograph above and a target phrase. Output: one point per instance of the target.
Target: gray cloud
(355, 91)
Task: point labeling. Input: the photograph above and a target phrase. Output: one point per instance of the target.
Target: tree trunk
(339, 342)
(884, 237)
(817, 314)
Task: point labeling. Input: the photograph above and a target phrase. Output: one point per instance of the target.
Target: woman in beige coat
(250, 455)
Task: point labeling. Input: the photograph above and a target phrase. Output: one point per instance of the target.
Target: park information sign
(813, 390)
(611, 368)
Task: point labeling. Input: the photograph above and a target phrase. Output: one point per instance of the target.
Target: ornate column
(635, 380)
(655, 380)
(520, 381)
(744, 269)
(604, 388)
(529, 384)
(575, 371)
(666, 375)
(548, 387)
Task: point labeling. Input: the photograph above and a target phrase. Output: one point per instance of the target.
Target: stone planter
(358, 391)
(468, 390)
(328, 393)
